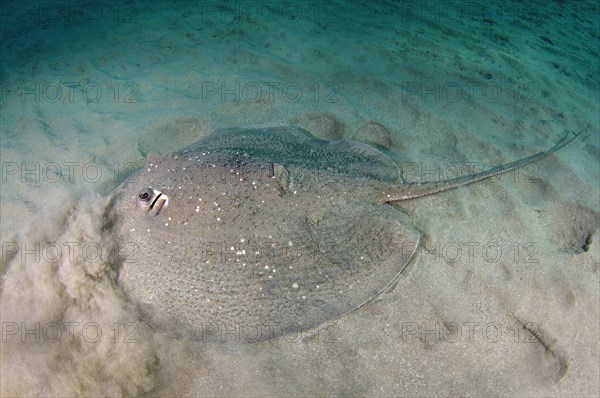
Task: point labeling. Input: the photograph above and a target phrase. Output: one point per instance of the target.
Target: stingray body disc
(245, 250)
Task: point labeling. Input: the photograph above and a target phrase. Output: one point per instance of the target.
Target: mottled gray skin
(265, 233)
(247, 249)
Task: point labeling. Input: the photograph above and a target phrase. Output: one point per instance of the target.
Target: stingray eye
(145, 195)
(152, 201)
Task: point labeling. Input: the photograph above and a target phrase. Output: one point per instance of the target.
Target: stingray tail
(411, 191)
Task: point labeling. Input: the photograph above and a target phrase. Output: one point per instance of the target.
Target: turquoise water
(90, 88)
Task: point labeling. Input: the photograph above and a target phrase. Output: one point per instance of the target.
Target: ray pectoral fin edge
(411, 191)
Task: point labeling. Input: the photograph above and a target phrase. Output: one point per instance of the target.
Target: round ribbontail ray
(251, 234)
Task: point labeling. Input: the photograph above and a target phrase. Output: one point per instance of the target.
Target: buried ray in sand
(251, 234)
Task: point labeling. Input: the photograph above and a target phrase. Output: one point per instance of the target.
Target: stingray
(252, 234)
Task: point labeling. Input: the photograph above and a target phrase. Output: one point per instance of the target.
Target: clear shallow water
(88, 87)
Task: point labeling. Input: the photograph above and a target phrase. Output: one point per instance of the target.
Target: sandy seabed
(501, 298)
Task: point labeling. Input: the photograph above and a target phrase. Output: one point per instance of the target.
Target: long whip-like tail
(410, 191)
